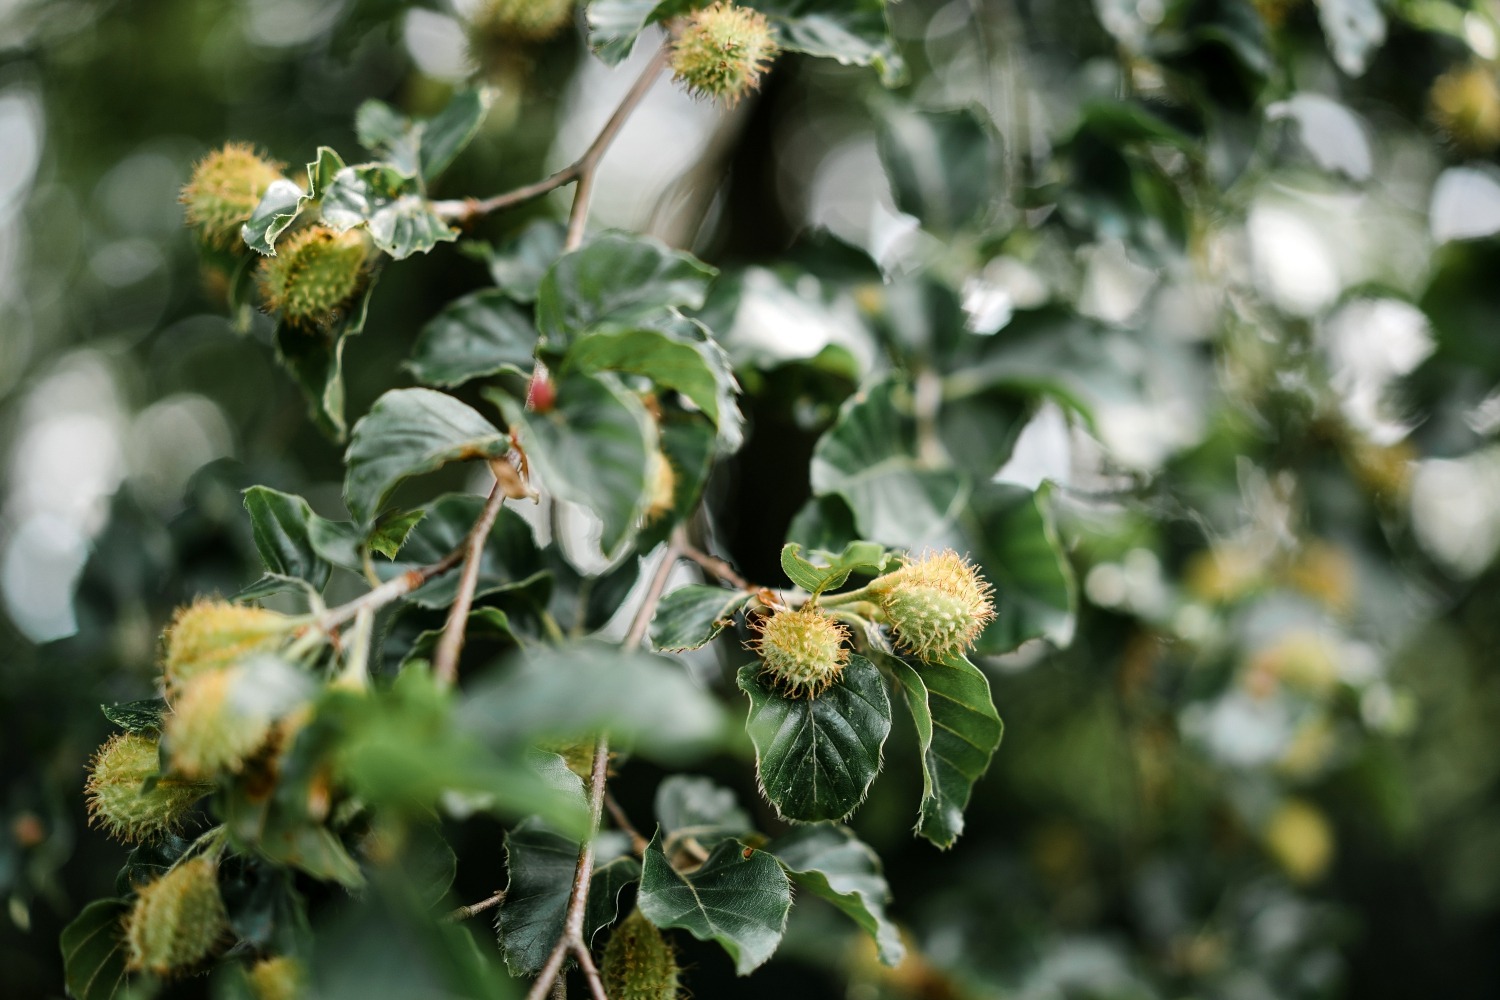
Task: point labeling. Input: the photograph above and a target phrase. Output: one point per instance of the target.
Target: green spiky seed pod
(723, 52)
(223, 191)
(315, 274)
(277, 978)
(803, 650)
(209, 730)
(639, 963)
(1465, 103)
(208, 635)
(116, 801)
(177, 921)
(936, 606)
(506, 21)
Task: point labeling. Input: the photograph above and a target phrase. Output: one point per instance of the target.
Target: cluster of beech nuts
(231, 700)
(935, 607)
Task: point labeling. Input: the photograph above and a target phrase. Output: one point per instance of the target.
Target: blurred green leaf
(93, 950)
(452, 129)
(830, 862)
(691, 616)
(944, 166)
(518, 265)
(482, 333)
(409, 432)
(816, 757)
(1014, 540)
(738, 897)
(695, 808)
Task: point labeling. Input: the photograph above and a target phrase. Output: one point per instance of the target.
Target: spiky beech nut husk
(177, 921)
(223, 191)
(662, 482)
(210, 730)
(803, 651)
(277, 978)
(518, 21)
(208, 635)
(315, 274)
(723, 51)
(1465, 103)
(116, 801)
(639, 962)
(936, 605)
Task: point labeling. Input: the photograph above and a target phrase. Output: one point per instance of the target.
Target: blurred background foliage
(1239, 305)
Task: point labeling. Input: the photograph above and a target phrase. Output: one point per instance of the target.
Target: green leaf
(697, 369)
(868, 458)
(388, 134)
(315, 359)
(691, 616)
(958, 730)
(541, 863)
(482, 622)
(509, 561)
(446, 135)
(389, 205)
(816, 757)
(944, 166)
(831, 570)
(393, 530)
(279, 524)
(1354, 29)
(620, 280)
(519, 264)
(739, 897)
(694, 808)
(142, 716)
(409, 432)
(93, 950)
(284, 201)
(480, 334)
(850, 32)
(830, 862)
(592, 448)
(615, 24)
(1018, 549)
(577, 691)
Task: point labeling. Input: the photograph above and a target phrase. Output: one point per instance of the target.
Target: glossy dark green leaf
(1014, 540)
(620, 280)
(93, 950)
(518, 265)
(265, 910)
(482, 333)
(315, 359)
(389, 205)
(406, 433)
(944, 166)
(509, 560)
(958, 730)
(541, 863)
(695, 808)
(279, 524)
(816, 757)
(691, 616)
(491, 623)
(445, 135)
(739, 897)
(576, 691)
(592, 448)
(819, 571)
(142, 716)
(869, 458)
(149, 861)
(832, 863)
(284, 201)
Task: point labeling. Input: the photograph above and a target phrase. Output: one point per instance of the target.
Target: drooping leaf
(279, 524)
(698, 370)
(592, 448)
(406, 433)
(574, 692)
(830, 862)
(816, 757)
(518, 265)
(541, 863)
(739, 897)
(616, 279)
(1011, 534)
(829, 570)
(691, 616)
(93, 950)
(142, 716)
(452, 129)
(944, 166)
(389, 205)
(480, 334)
(696, 808)
(958, 730)
(315, 359)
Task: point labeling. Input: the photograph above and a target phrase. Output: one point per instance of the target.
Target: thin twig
(719, 568)
(474, 909)
(572, 939)
(445, 660)
(638, 843)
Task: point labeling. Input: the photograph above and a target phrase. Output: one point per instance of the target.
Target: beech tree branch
(474, 909)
